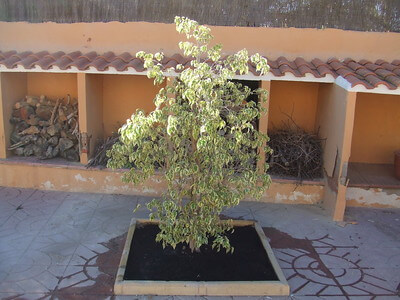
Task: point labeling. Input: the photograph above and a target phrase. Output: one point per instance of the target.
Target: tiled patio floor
(57, 245)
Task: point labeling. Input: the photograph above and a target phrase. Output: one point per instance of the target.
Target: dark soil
(149, 261)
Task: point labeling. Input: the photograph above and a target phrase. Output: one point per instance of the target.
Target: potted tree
(201, 135)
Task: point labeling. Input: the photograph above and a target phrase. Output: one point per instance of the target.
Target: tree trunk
(192, 246)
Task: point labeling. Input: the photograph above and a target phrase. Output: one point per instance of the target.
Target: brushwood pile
(295, 153)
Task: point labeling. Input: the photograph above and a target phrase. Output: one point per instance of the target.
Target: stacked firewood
(45, 128)
(296, 153)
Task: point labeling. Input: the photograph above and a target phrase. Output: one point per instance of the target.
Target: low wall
(373, 197)
(74, 177)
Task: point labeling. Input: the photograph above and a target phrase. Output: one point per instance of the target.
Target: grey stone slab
(8, 260)
(66, 222)
(111, 211)
(75, 276)
(48, 197)
(4, 296)
(15, 242)
(24, 296)
(22, 225)
(240, 213)
(11, 287)
(118, 201)
(51, 244)
(112, 224)
(6, 209)
(15, 196)
(84, 255)
(3, 275)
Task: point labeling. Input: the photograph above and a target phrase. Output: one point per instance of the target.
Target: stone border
(203, 288)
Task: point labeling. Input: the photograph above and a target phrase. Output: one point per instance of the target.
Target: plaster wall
(122, 96)
(52, 85)
(296, 100)
(373, 197)
(76, 178)
(13, 87)
(376, 128)
(335, 118)
(332, 116)
(293, 193)
(136, 36)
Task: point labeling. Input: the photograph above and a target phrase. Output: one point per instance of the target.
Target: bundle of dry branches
(296, 153)
(100, 153)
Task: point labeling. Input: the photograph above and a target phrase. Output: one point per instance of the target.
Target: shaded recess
(360, 15)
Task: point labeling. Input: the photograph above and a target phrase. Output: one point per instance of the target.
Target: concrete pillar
(90, 105)
(335, 120)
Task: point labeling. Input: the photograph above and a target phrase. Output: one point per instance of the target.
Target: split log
(71, 155)
(44, 112)
(32, 101)
(28, 150)
(45, 128)
(15, 137)
(31, 130)
(65, 144)
(19, 151)
(53, 113)
(37, 150)
(25, 112)
(53, 130)
(53, 141)
(33, 120)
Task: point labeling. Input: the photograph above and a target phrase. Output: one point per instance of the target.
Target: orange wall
(122, 96)
(376, 128)
(135, 36)
(12, 89)
(73, 178)
(296, 99)
(335, 114)
(52, 85)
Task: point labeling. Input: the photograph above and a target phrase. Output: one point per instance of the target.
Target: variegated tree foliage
(202, 136)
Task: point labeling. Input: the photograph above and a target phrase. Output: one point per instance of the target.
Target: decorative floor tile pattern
(56, 245)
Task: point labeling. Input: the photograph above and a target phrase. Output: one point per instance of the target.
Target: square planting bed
(147, 268)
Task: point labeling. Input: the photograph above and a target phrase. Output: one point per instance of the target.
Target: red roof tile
(363, 72)
(396, 62)
(393, 79)
(7, 54)
(344, 72)
(364, 61)
(108, 56)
